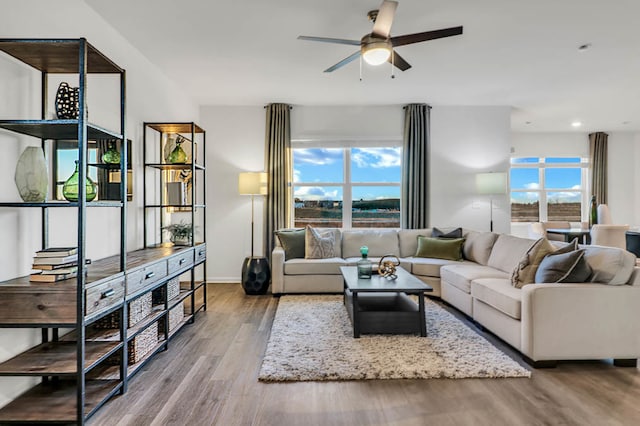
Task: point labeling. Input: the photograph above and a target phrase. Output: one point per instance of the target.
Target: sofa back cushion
(478, 245)
(408, 239)
(610, 265)
(379, 241)
(507, 252)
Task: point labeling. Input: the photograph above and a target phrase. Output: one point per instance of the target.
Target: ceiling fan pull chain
(393, 53)
(360, 67)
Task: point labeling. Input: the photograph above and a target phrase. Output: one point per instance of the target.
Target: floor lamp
(493, 183)
(255, 269)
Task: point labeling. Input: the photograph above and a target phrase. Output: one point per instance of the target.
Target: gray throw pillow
(318, 245)
(456, 233)
(564, 268)
(292, 241)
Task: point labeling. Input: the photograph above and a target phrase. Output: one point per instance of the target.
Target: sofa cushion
(460, 275)
(525, 270)
(499, 294)
(292, 241)
(318, 245)
(429, 267)
(379, 241)
(454, 233)
(437, 248)
(507, 252)
(478, 245)
(567, 267)
(330, 266)
(610, 265)
(408, 240)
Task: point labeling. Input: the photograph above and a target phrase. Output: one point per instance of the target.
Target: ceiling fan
(377, 47)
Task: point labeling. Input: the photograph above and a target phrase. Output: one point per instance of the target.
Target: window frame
(541, 165)
(347, 185)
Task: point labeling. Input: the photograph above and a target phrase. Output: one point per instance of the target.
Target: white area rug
(312, 339)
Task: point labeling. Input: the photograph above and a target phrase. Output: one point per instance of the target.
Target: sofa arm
(277, 270)
(580, 321)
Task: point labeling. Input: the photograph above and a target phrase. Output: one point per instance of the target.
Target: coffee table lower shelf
(384, 313)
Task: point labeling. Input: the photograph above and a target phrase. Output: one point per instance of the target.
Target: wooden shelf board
(55, 358)
(57, 129)
(55, 204)
(57, 55)
(179, 298)
(113, 372)
(178, 327)
(175, 127)
(163, 166)
(56, 401)
(158, 312)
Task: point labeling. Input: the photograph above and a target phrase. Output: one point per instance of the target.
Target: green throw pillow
(292, 241)
(448, 249)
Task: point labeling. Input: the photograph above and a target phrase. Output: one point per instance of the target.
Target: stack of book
(55, 264)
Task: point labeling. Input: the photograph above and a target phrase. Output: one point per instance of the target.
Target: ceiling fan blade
(399, 61)
(343, 62)
(428, 35)
(331, 40)
(382, 26)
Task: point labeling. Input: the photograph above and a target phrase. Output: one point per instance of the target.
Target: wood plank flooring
(209, 377)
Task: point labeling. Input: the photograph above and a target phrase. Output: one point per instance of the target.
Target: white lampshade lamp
(493, 183)
(255, 270)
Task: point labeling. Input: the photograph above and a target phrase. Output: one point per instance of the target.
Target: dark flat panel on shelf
(55, 358)
(55, 401)
(163, 166)
(56, 129)
(57, 56)
(175, 127)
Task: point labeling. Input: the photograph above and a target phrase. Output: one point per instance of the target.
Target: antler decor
(387, 268)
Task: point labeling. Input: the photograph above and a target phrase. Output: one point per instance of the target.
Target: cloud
(532, 185)
(296, 175)
(376, 157)
(318, 156)
(315, 193)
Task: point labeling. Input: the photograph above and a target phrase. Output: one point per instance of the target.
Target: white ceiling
(513, 52)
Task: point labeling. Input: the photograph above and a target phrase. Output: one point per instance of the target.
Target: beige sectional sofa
(599, 319)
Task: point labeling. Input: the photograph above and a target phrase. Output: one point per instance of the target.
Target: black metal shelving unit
(155, 136)
(66, 393)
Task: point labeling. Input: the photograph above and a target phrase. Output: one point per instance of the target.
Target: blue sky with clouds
(326, 165)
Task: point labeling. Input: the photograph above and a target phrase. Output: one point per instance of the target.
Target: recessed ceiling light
(625, 122)
(576, 124)
(584, 47)
(527, 122)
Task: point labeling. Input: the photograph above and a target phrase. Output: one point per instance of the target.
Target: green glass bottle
(70, 187)
(364, 265)
(111, 156)
(177, 156)
(593, 212)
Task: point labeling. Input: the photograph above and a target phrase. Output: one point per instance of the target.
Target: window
(548, 189)
(347, 187)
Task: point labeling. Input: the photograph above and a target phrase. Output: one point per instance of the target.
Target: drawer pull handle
(107, 293)
(182, 261)
(149, 275)
(201, 252)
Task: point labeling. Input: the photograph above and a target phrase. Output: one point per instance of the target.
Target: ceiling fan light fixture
(376, 53)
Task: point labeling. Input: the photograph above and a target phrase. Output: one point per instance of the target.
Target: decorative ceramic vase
(70, 187)
(177, 156)
(31, 175)
(111, 155)
(67, 101)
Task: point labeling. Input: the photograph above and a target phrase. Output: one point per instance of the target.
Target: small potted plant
(180, 234)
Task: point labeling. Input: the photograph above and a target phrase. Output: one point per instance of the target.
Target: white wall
(466, 141)
(150, 97)
(623, 160)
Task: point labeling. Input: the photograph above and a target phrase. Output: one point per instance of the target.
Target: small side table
(583, 235)
(256, 275)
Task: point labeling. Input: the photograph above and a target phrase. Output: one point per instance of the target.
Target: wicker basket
(173, 290)
(176, 316)
(143, 343)
(138, 310)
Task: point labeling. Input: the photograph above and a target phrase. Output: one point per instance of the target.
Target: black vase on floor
(255, 275)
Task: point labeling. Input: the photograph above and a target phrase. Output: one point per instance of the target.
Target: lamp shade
(252, 183)
(491, 183)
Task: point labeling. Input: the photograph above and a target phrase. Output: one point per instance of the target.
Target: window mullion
(347, 194)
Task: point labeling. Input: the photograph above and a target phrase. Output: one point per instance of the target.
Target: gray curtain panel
(415, 167)
(598, 159)
(278, 164)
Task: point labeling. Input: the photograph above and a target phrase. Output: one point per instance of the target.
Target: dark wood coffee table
(382, 306)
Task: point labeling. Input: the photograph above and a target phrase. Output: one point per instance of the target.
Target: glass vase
(111, 155)
(177, 156)
(364, 265)
(70, 187)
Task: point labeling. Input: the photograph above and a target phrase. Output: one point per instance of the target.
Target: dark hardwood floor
(209, 377)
